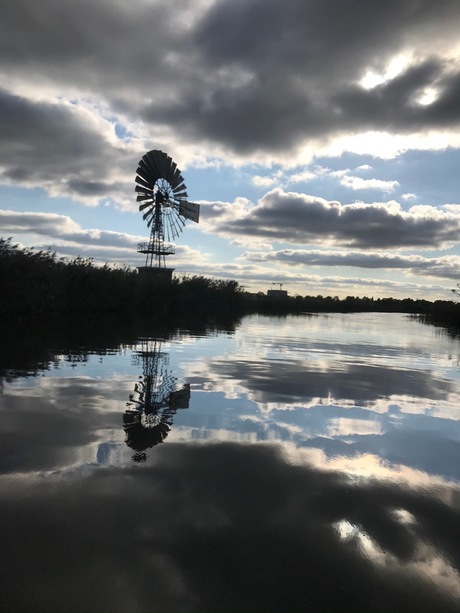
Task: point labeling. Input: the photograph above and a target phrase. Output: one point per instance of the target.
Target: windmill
(150, 411)
(163, 201)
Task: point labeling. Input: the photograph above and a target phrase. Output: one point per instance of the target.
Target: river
(303, 463)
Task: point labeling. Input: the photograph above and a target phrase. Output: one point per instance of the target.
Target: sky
(320, 138)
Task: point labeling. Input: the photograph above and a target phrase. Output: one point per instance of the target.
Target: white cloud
(259, 181)
(306, 175)
(357, 183)
(395, 67)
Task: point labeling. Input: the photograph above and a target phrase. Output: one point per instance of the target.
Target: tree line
(38, 284)
(440, 312)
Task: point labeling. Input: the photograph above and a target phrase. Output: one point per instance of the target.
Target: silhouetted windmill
(163, 200)
(151, 408)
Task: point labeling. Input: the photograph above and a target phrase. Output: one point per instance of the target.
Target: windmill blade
(145, 175)
(142, 182)
(152, 177)
(143, 164)
(143, 190)
(176, 178)
(145, 205)
(169, 163)
(142, 198)
(180, 222)
(150, 161)
(168, 228)
(171, 171)
(163, 163)
(174, 227)
(179, 187)
(154, 157)
(190, 210)
(181, 196)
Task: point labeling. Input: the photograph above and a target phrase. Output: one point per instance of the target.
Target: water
(307, 463)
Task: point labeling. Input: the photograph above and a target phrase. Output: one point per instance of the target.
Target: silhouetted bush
(36, 284)
(444, 313)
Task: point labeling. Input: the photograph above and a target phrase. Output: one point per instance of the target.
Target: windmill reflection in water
(155, 401)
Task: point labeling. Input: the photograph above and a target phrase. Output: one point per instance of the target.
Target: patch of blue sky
(121, 131)
(423, 177)
(25, 200)
(223, 184)
(22, 199)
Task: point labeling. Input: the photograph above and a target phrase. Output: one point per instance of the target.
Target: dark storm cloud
(251, 76)
(224, 528)
(55, 144)
(274, 114)
(394, 104)
(299, 64)
(444, 267)
(51, 129)
(91, 45)
(89, 188)
(329, 38)
(299, 218)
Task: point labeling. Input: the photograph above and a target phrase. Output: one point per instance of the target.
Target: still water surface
(307, 463)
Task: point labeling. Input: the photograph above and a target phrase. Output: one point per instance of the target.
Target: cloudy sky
(322, 139)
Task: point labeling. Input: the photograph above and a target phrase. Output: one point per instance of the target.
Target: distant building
(277, 293)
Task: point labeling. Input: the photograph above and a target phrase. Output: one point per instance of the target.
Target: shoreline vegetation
(37, 285)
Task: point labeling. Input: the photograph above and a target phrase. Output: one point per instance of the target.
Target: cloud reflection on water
(402, 405)
(57, 423)
(355, 508)
(227, 527)
(289, 381)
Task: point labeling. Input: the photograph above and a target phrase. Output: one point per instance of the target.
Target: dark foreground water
(296, 464)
